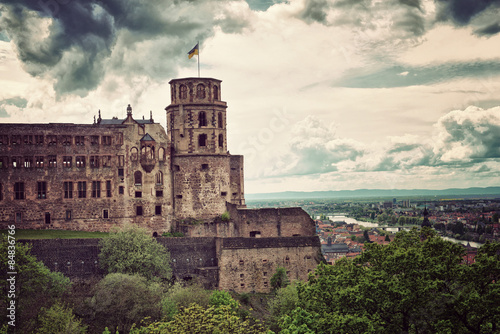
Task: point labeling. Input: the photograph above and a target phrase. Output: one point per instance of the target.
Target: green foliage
(36, 285)
(183, 296)
(197, 319)
(59, 319)
(387, 238)
(225, 216)
(245, 298)
(133, 251)
(279, 279)
(173, 234)
(218, 298)
(122, 299)
(417, 282)
(283, 303)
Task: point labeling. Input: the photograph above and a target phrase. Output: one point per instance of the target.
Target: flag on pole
(194, 51)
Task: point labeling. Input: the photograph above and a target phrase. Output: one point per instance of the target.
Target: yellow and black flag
(194, 51)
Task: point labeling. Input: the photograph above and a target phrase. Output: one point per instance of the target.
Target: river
(349, 220)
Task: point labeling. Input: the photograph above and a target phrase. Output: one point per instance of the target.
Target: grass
(55, 234)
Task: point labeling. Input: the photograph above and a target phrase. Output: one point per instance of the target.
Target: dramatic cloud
(17, 101)
(76, 43)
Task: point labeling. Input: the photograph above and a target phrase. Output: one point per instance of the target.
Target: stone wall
(239, 264)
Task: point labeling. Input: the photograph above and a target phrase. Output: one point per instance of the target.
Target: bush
(59, 319)
(225, 216)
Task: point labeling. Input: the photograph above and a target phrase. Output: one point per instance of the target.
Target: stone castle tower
(205, 175)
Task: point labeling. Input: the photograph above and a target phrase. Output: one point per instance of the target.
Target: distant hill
(476, 191)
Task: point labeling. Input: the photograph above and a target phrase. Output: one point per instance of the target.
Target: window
(16, 162)
(108, 188)
(178, 196)
(200, 91)
(68, 189)
(1, 192)
(52, 161)
(79, 140)
(158, 210)
(41, 190)
(39, 140)
(94, 161)
(134, 152)
(119, 138)
(39, 162)
(202, 118)
(159, 193)
(105, 213)
(4, 140)
(223, 193)
(106, 161)
(28, 162)
(3, 162)
(19, 190)
(242, 276)
(266, 284)
(19, 217)
(67, 140)
(94, 140)
(242, 262)
(159, 178)
(52, 140)
(177, 168)
(161, 154)
(242, 285)
(67, 161)
(82, 189)
(121, 190)
(121, 172)
(183, 92)
(216, 93)
(220, 122)
(221, 140)
(138, 178)
(16, 140)
(96, 189)
(264, 274)
(28, 140)
(138, 210)
(121, 160)
(106, 140)
(202, 140)
(68, 214)
(204, 166)
(80, 161)
(138, 194)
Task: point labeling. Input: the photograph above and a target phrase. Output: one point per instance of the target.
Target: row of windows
(69, 190)
(202, 119)
(105, 214)
(80, 161)
(64, 140)
(200, 92)
(202, 140)
(80, 189)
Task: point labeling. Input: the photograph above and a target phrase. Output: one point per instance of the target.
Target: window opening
(108, 188)
(138, 178)
(68, 189)
(202, 118)
(200, 91)
(96, 189)
(67, 161)
(80, 161)
(138, 210)
(158, 210)
(82, 189)
(19, 190)
(202, 140)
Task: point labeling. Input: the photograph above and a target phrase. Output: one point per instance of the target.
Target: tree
(283, 303)
(133, 251)
(417, 282)
(59, 319)
(35, 285)
(197, 319)
(121, 300)
(279, 279)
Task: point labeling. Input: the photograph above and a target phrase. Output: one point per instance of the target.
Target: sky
(322, 94)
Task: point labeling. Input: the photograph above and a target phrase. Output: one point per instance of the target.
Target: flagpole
(198, 59)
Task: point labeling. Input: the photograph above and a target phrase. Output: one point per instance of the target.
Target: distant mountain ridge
(475, 191)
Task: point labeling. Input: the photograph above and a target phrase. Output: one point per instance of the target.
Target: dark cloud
(461, 12)
(315, 11)
(84, 37)
(492, 29)
(14, 101)
(403, 76)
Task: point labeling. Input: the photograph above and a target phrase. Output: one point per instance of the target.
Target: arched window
(216, 93)
(159, 178)
(200, 91)
(221, 140)
(220, 121)
(161, 154)
(138, 178)
(134, 153)
(202, 140)
(202, 118)
(183, 92)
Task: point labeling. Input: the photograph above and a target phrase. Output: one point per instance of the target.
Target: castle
(94, 177)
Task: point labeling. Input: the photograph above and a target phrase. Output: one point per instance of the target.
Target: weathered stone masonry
(239, 264)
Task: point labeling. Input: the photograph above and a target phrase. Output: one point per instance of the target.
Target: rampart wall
(214, 262)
